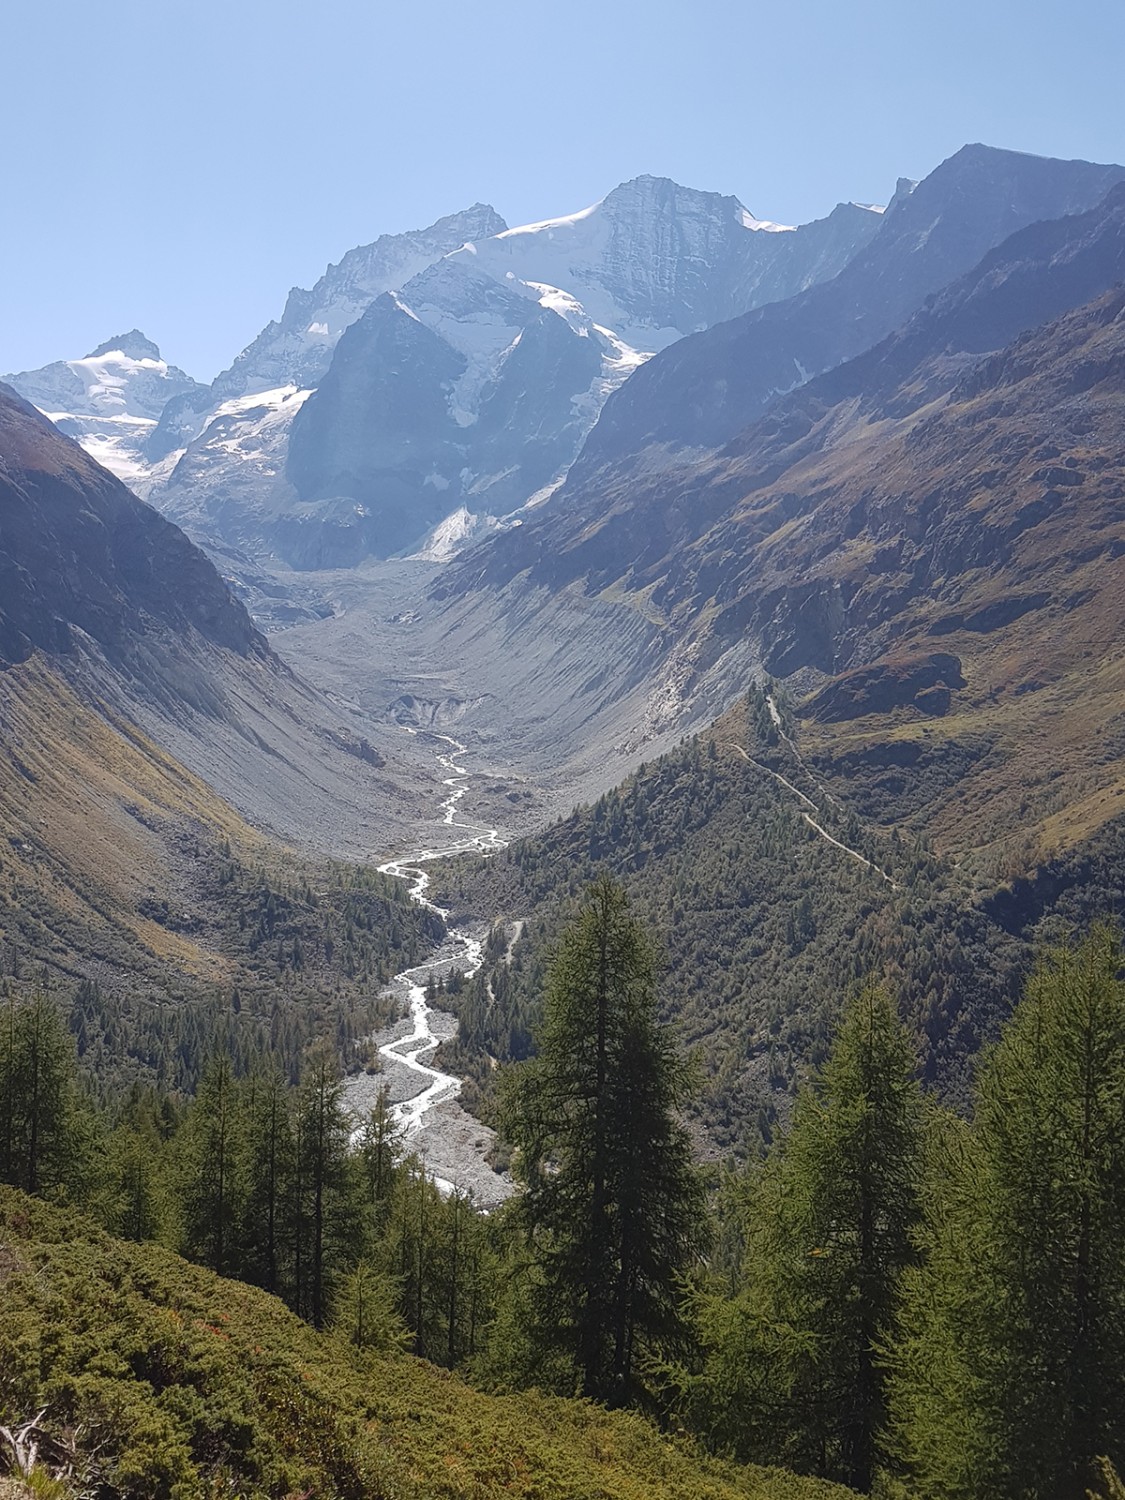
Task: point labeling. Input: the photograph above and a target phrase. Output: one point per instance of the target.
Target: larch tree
(265, 1177)
(38, 1135)
(327, 1223)
(210, 1199)
(794, 1372)
(1009, 1379)
(612, 1207)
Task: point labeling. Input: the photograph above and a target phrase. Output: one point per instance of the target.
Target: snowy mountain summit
(297, 348)
(475, 384)
(110, 400)
(455, 367)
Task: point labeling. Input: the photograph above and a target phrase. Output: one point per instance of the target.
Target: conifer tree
(366, 1312)
(794, 1374)
(327, 1224)
(265, 1172)
(612, 1207)
(380, 1146)
(1009, 1379)
(132, 1198)
(210, 1201)
(38, 1139)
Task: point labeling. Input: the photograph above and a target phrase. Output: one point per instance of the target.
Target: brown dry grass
(90, 811)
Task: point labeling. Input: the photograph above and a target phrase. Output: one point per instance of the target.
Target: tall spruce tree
(612, 1207)
(209, 1158)
(328, 1226)
(793, 1374)
(1009, 1380)
(38, 1135)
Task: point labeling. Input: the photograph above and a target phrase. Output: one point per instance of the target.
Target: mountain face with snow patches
(297, 349)
(110, 401)
(217, 456)
(477, 382)
(455, 367)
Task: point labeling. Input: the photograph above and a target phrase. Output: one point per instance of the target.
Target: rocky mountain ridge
(716, 382)
(476, 383)
(534, 328)
(926, 538)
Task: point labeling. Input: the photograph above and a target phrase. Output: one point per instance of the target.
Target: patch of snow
(455, 532)
(767, 226)
(540, 497)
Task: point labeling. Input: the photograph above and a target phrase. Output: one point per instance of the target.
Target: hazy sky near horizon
(178, 167)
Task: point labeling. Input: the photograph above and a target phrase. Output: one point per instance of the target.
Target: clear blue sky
(179, 164)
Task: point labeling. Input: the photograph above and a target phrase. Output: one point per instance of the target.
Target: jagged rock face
(111, 400)
(217, 457)
(671, 533)
(654, 261)
(80, 554)
(516, 343)
(471, 397)
(705, 389)
(297, 349)
(545, 321)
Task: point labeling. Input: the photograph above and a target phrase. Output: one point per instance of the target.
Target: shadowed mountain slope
(144, 725)
(705, 389)
(80, 554)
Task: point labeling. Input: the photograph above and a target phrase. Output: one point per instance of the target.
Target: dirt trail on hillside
(813, 824)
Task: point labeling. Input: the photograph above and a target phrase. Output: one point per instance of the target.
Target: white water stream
(459, 951)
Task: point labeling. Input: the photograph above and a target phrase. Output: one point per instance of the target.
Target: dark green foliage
(39, 1140)
(762, 926)
(264, 1181)
(612, 1208)
(327, 1232)
(1010, 1377)
(380, 1148)
(167, 1383)
(793, 1371)
(209, 1176)
(308, 946)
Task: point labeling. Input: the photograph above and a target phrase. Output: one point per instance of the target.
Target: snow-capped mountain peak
(110, 400)
(652, 260)
(133, 345)
(297, 349)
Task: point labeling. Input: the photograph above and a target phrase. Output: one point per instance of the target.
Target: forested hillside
(731, 850)
(895, 1298)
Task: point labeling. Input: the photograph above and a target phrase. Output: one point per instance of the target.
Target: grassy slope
(91, 815)
(120, 866)
(187, 1384)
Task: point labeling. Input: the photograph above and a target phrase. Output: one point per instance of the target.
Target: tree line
(896, 1297)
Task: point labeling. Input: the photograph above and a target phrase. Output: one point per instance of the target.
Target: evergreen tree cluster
(913, 1299)
(893, 1297)
(306, 949)
(762, 926)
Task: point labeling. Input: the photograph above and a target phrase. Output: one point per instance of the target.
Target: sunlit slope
(925, 544)
(99, 824)
(176, 1377)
